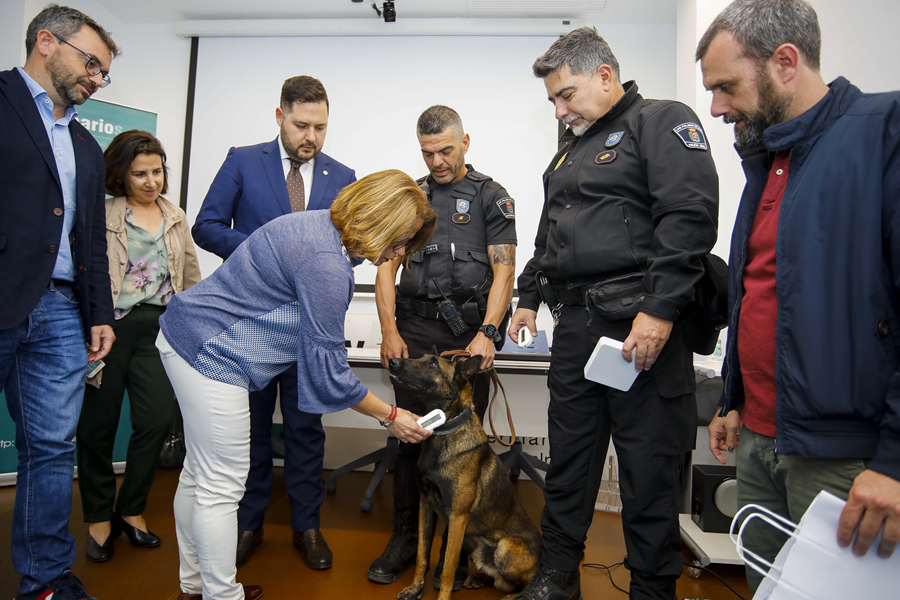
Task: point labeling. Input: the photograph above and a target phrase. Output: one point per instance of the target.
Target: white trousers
(217, 439)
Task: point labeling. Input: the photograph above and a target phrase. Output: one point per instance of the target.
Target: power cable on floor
(609, 568)
(713, 573)
(608, 572)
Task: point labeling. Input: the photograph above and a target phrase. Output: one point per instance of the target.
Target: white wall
(12, 33)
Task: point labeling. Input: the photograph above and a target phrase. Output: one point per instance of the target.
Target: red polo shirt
(759, 307)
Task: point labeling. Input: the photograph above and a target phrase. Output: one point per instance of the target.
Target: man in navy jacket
(57, 309)
(812, 370)
(250, 189)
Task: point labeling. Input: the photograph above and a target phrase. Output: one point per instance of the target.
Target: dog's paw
(473, 582)
(411, 592)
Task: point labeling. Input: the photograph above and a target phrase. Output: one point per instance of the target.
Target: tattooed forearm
(504, 254)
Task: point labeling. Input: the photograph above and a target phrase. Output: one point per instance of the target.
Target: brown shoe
(248, 540)
(251, 592)
(314, 549)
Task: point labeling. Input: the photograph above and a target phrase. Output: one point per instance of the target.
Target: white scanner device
(525, 337)
(432, 420)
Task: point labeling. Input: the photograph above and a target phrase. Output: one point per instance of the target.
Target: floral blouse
(147, 278)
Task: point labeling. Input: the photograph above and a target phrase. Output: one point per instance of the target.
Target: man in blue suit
(255, 185)
(57, 307)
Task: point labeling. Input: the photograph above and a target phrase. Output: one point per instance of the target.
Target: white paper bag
(811, 565)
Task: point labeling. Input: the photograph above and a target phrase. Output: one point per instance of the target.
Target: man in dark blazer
(57, 308)
(255, 185)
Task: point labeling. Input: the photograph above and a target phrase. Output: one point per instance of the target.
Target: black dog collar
(455, 423)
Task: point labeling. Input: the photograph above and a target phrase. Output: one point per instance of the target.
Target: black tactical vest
(456, 255)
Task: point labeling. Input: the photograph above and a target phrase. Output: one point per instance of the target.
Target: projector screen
(377, 88)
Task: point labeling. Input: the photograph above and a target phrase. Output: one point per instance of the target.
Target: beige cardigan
(184, 270)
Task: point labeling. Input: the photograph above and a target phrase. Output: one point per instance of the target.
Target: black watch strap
(489, 330)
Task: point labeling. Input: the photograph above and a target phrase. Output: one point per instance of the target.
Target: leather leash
(457, 355)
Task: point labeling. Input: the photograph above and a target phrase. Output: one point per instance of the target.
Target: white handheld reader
(525, 337)
(433, 420)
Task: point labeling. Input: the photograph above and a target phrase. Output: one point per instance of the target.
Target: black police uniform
(472, 214)
(637, 192)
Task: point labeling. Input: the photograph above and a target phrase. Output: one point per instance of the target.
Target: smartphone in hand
(94, 367)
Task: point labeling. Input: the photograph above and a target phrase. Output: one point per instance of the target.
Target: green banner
(105, 121)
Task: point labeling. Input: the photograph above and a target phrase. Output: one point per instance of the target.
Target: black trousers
(304, 456)
(652, 426)
(133, 364)
(421, 335)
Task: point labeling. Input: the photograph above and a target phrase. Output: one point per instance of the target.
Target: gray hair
(65, 22)
(761, 26)
(439, 118)
(582, 49)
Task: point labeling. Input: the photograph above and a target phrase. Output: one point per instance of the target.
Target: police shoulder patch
(614, 139)
(507, 207)
(692, 135)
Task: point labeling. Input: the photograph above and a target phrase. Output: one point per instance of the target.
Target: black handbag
(173, 451)
(709, 312)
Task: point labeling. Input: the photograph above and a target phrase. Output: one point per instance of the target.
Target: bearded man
(812, 395)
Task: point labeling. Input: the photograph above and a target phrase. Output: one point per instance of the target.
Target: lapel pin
(324, 172)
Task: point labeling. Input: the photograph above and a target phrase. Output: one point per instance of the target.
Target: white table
(709, 548)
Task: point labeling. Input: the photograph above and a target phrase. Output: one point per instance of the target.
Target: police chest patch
(614, 138)
(607, 156)
(692, 135)
(507, 207)
(461, 218)
(462, 205)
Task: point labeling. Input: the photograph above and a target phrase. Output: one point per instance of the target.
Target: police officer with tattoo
(453, 294)
(630, 210)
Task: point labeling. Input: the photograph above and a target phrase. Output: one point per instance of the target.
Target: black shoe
(248, 540)
(97, 552)
(138, 538)
(462, 567)
(314, 549)
(550, 584)
(459, 578)
(401, 548)
(68, 587)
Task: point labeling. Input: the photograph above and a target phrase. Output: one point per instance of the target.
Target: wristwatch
(489, 330)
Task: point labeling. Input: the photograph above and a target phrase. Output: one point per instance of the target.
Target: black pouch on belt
(617, 298)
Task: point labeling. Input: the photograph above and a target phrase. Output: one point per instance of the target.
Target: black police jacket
(472, 214)
(637, 191)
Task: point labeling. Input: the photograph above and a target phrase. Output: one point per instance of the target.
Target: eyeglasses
(396, 249)
(92, 66)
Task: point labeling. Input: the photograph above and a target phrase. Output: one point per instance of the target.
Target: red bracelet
(390, 420)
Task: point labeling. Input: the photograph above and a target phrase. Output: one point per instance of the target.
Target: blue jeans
(42, 366)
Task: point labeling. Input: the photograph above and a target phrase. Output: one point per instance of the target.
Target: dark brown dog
(463, 481)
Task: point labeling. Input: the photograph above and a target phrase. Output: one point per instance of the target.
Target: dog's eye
(433, 362)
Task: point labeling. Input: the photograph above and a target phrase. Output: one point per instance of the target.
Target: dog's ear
(467, 368)
(434, 350)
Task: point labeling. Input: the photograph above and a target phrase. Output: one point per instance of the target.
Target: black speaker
(713, 497)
